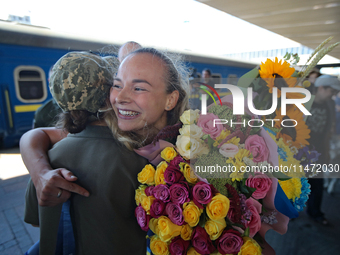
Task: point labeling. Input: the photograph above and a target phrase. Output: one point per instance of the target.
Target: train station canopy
(306, 22)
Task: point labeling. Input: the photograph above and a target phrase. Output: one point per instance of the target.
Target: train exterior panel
(25, 61)
(24, 87)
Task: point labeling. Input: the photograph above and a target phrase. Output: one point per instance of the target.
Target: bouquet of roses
(189, 215)
(229, 178)
(195, 211)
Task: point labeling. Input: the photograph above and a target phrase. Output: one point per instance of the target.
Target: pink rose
(142, 218)
(178, 246)
(229, 242)
(157, 208)
(228, 150)
(254, 222)
(173, 175)
(206, 122)
(202, 194)
(258, 148)
(161, 192)
(175, 213)
(179, 193)
(261, 183)
(201, 242)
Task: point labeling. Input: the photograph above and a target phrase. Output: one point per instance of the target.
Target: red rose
(178, 246)
(202, 193)
(173, 175)
(175, 162)
(229, 242)
(201, 242)
(157, 208)
(142, 218)
(179, 193)
(148, 190)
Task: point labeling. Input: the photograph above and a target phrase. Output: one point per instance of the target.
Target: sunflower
(294, 136)
(270, 71)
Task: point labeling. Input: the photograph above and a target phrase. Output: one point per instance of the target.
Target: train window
(232, 79)
(217, 78)
(30, 84)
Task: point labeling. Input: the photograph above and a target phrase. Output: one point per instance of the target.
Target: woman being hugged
(148, 94)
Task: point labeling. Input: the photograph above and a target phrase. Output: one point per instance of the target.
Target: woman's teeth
(128, 113)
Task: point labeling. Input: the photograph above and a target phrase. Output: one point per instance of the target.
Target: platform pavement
(16, 237)
(304, 236)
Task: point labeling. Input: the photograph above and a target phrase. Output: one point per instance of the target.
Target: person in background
(126, 48)
(321, 124)
(337, 110)
(207, 78)
(47, 114)
(311, 78)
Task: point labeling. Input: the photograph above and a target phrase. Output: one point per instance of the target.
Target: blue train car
(26, 55)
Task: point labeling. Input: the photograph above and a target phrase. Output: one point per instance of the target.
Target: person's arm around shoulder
(54, 186)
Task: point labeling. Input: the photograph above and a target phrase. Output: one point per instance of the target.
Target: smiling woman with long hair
(148, 93)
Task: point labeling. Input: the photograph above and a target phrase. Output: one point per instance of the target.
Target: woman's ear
(171, 101)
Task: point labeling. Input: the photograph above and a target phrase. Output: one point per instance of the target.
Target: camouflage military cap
(82, 80)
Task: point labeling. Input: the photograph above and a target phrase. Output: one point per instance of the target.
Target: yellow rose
(191, 213)
(153, 225)
(188, 173)
(147, 202)
(186, 232)
(140, 194)
(250, 247)
(167, 229)
(189, 116)
(192, 130)
(158, 247)
(168, 154)
(147, 175)
(159, 176)
(218, 207)
(192, 251)
(214, 228)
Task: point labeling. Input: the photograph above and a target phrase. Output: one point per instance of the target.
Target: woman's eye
(140, 89)
(116, 86)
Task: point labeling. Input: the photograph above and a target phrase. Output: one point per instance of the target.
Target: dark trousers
(315, 197)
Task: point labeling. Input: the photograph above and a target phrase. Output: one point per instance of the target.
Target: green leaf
(257, 85)
(246, 232)
(295, 74)
(281, 176)
(243, 187)
(203, 219)
(246, 79)
(287, 56)
(210, 142)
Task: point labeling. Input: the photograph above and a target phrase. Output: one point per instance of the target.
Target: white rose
(190, 148)
(228, 150)
(189, 116)
(192, 130)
